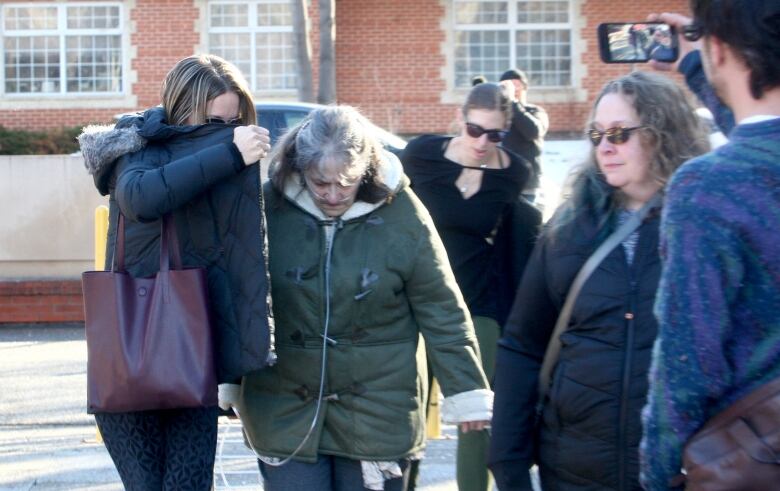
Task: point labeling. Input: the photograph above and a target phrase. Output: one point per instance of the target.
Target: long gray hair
(195, 81)
(332, 135)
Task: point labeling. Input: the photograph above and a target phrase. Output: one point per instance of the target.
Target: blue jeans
(329, 473)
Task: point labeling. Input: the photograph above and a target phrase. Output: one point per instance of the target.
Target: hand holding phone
(637, 42)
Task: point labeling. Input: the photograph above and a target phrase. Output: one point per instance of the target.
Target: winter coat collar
(102, 145)
(392, 174)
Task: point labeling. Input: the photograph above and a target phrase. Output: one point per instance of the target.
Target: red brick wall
(40, 301)
(164, 34)
(389, 60)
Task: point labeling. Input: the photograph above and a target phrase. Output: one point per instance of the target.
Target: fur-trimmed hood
(102, 145)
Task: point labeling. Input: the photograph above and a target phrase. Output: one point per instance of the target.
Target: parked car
(279, 116)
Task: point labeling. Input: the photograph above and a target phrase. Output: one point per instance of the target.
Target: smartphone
(637, 42)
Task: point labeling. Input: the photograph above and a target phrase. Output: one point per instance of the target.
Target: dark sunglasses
(616, 135)
(692, 32)
(475, 131)
(217, 120)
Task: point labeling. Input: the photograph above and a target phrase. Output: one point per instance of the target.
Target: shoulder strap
(554, 346)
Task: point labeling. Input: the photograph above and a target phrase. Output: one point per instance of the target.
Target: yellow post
(433, 423)
(101, 236)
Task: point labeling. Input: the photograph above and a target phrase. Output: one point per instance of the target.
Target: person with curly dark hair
(642, 129)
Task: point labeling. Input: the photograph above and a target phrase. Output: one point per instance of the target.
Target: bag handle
(553, 350)
(167, 233)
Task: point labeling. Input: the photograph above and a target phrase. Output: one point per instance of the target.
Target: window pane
(481, 12)
(30, 65)
(274, 14)
(94, 63)
(256, 35)
(28, 18)
(275, 55)
(480, 53)
(542, 11)
(86, 17)
(545, 55)
(229, 15)
(236, 48)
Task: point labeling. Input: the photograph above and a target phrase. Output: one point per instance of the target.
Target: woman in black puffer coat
(182, 158)
(590, 426)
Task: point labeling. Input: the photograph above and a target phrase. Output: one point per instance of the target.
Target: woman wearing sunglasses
(471, 186)
(642, 129)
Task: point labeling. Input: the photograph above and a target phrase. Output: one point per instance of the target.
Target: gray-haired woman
(192, 158)
(358, 274)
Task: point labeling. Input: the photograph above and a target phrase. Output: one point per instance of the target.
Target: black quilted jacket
(149, 169)
(591, 426)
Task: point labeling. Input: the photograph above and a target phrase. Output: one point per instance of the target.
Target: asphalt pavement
(48, 441)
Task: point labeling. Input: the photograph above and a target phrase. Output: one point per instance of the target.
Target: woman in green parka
(357, 274)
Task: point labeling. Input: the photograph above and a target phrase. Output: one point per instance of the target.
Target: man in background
(529, 125)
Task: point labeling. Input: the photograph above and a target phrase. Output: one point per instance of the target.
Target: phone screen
(637, 42)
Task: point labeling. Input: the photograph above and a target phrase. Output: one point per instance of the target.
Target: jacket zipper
(627, 362)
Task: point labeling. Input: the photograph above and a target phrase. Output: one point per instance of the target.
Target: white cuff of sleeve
(375, 473)
(228, 395)
(473, 405)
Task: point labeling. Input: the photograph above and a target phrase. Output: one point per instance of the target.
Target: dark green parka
(386, 273)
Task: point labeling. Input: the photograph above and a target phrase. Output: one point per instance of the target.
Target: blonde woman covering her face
(192, 157)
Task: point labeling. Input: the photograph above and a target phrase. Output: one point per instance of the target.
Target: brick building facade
(405, 63)
(397, 60)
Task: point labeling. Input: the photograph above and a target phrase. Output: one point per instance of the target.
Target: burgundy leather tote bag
(149, 340)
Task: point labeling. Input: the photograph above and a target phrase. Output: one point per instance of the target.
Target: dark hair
(752, 29)
(328, 135)
(489, 96)
(478, 79)
(673, 133)
(515, 74)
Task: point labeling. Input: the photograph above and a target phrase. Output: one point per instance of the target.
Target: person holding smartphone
(689, 64)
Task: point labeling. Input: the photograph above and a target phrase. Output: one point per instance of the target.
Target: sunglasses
(616, 135)
(692, 32)
(475, 131)
(217, 120)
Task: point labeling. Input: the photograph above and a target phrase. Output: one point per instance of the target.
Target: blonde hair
(199, 79)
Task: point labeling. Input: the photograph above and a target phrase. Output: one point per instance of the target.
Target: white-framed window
(492, 36)
(256, 36)
(61, 49)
